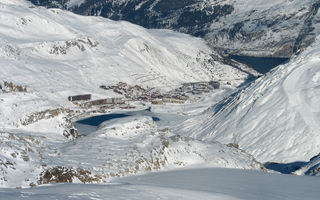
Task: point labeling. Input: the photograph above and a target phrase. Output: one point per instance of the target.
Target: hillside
(70, 54)
(47, 55)
(92, 108)
(275, 118)
(258, 28)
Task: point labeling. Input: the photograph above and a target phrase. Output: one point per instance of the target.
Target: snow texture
(222, 184)
(56, 54)
(277, 28)
(48, 55)
(275, 118)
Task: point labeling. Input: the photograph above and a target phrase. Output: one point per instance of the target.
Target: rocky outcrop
(66, 124)
(62, 48)
(61, 174)
(11, 87)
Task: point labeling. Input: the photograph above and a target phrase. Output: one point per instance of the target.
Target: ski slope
(210, 183)
(275, 118)
(47, 55)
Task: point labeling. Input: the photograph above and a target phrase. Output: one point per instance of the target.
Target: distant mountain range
(262, 28)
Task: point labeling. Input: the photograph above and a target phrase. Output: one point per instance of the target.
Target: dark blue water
(96, 120)
(260, 64)
(285, 168)
(156, 119)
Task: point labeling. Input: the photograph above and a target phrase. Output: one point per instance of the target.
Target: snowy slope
(276, 118)
(217, 184)
(311, 168)
(104, 51)
(48, 55)
(121, 147)
(254, 27)
(266, 28)
(55, 54)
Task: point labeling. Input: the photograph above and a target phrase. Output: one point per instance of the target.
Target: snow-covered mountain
(55, 54)
(47, 55)
(276, 118)
(261, 28)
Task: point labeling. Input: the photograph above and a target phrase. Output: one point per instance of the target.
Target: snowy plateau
(211, 130)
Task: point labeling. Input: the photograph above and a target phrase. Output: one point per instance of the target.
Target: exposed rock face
(67, 175)
(11, 87)
(190, 16)
(267, 28)
(65, 46)
(65, 123)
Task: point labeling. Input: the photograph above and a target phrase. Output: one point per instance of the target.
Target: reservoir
(96, 120)
(260, 64)
(88, 125)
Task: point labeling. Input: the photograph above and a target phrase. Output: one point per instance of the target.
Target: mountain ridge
(272, 29)
(274, 118)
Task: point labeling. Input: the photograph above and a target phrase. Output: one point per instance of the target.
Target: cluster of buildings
(87, 102)
(138, 93)
(106, 101)
(199, 87)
